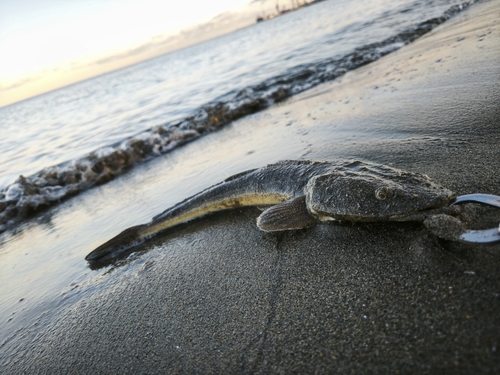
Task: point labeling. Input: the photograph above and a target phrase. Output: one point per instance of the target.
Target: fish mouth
(439, 206)
(445, 201)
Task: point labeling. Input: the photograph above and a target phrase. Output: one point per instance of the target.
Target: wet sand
(219, 296)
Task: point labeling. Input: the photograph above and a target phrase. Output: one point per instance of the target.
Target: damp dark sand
(219, 296)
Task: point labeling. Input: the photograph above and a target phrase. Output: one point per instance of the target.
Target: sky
(47, 44)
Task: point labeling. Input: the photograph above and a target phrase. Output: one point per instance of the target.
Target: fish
(298, 194)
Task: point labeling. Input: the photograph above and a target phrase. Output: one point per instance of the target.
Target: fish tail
(125, 240)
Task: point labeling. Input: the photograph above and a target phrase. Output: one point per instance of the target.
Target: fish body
(301, 192)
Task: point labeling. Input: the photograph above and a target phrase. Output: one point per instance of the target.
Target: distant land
(295, 5)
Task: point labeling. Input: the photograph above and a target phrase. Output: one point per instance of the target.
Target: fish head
(374, 197)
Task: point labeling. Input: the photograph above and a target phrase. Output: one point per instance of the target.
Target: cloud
(19, 83)
(133, 51)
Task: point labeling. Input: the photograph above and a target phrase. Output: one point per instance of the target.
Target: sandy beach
(220, 296)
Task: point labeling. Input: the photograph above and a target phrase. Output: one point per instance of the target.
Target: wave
(52, 185)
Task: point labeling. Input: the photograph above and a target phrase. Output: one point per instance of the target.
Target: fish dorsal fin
(289, 215)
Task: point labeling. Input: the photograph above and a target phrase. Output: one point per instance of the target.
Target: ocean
(61, 143)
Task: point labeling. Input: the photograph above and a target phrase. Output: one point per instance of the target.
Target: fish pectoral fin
(289, 215)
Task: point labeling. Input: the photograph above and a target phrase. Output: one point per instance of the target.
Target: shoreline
(219, 296)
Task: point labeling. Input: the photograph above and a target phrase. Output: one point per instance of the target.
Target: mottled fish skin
(328, 190)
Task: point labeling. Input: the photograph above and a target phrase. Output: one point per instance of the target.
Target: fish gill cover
(51, 185)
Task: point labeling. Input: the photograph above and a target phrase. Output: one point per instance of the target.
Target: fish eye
(382, 194)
